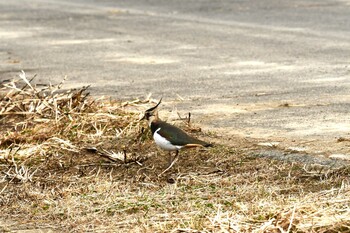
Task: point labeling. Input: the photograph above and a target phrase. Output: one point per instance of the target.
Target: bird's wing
(179, 137)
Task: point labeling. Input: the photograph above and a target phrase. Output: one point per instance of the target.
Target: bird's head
(151, 113)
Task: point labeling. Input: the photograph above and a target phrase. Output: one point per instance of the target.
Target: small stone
(296, 149)
(171, 180)
(268, 144)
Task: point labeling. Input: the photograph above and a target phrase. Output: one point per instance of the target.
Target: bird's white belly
(163, 143)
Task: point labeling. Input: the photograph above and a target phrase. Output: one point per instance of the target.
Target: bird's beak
(143, 117)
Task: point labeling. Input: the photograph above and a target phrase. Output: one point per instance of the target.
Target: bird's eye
(147, 115)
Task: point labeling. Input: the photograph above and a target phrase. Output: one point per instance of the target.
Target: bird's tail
(205, 144)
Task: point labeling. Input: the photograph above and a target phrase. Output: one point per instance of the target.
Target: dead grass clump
(48, 120)
(72, 163)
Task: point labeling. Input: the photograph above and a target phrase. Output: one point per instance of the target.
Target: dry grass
(69, 163)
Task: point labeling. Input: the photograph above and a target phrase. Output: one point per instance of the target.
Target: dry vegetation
(69, 163)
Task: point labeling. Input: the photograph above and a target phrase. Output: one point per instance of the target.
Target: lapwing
(169, 137)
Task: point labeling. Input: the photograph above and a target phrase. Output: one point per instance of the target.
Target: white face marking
(163, 143)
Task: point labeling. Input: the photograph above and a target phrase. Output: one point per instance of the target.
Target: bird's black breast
(154, 126)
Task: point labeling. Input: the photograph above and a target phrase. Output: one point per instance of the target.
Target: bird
(169, 137)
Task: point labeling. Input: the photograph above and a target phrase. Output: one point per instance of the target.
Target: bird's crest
(155, 107)
(151, 114)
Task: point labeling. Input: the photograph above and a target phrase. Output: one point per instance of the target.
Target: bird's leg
(170, 158)
(171, 162)
(176, 154)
